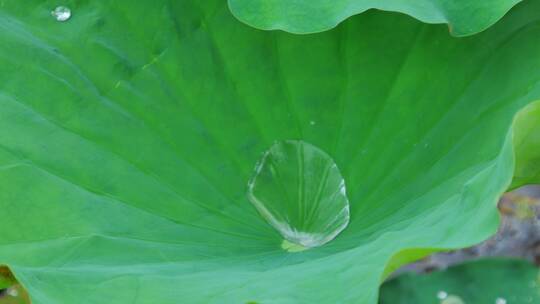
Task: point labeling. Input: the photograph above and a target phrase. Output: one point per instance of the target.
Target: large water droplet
(299, 190)
(61, 13)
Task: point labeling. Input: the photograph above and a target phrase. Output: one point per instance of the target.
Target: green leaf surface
(5, 283)
(478, 282)
(464, 17)
(129, 132)
(527, 145)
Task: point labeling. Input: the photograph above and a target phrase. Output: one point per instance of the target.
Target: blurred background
(501, 270)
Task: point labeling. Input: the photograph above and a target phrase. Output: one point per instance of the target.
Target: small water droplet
(61, 13)
(500, 301)
(441, 295)
(298, 189)
(312, 122)
(452, 299)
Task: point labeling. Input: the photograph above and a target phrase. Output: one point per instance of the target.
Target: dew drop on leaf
(61, 13)
(500, 301)
(441, 295)
(298, 189)
(452, 300)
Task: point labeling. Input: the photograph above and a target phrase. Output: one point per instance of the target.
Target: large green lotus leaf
(527, 145)
(479, 282)
(464, 17)
(128, 135)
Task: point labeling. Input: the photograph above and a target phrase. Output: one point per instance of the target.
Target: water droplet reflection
(500, 301)
(298, 189)
(441, 295)
(61, 13)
